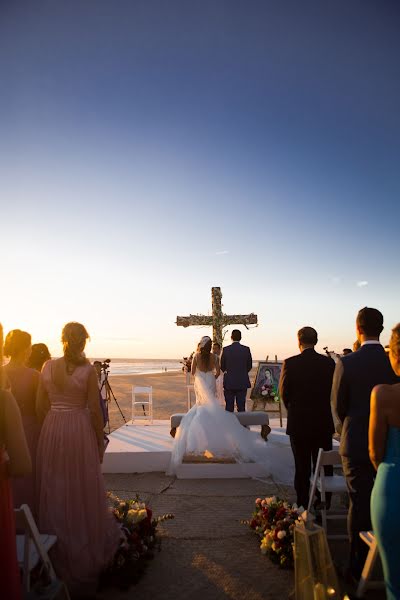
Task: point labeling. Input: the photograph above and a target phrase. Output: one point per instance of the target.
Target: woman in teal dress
(384, 452)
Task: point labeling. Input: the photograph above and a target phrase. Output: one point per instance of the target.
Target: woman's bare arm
(194, 365)
(42, 401)
(15, 440)
(377, 425)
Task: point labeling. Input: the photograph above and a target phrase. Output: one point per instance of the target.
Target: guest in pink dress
(71, 494)
(24, 384)
(14, 461)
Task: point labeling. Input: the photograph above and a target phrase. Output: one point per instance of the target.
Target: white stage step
(220, 471)
(139, 447)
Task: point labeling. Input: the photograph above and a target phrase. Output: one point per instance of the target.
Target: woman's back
(24, 384)
(66, 390)
(392, 452)
(69, 471)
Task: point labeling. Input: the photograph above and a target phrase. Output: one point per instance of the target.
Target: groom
(236, 363)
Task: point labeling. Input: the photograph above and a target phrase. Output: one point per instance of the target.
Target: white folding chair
(146, 391)
(190, 389)
(336, 484)
(33, 546)
(369, 538)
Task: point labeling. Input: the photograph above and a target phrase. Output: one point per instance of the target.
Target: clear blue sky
(150, 150)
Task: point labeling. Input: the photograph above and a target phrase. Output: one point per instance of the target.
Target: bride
(207, 429)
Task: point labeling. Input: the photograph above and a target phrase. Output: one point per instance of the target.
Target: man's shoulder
(237, 347)
(292, 360)
(364, 356)
(327, 360)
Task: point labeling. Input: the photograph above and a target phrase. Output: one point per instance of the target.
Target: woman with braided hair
(71, 494)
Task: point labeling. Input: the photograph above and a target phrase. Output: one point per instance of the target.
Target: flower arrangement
(270, 392)
(273, 520)
(187, 363)
(138, 541)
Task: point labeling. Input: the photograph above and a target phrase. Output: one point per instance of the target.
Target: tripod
(105, 386)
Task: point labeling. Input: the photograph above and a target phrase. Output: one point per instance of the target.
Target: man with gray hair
(305, 389)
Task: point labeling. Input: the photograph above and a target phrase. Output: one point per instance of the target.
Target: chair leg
(323, 510)
(367, 569)
(311, 495)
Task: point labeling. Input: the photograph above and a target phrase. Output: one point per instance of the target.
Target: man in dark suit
(236, 363)
(305, 389)
(355, 376)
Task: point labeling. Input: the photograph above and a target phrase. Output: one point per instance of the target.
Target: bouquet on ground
(138, 541)
(273, 520)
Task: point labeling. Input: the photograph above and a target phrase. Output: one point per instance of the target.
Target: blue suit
(355, 376)
(236, 363)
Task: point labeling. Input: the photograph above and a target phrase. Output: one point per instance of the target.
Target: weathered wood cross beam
(218, 320)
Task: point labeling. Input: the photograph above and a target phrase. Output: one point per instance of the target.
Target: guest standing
(72, 496)
(14, 461)
(236, 363)
(39, 355)
(355, 377)
(305, 388)
(384, 452)
(24, 384)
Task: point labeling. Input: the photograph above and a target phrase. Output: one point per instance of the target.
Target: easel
(275, 410)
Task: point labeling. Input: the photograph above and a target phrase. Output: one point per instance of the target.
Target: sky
(150, 150)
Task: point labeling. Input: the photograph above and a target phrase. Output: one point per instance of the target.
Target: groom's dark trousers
(236, 362)
(239, 396)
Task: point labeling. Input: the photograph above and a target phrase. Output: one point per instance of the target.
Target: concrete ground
(207, 554)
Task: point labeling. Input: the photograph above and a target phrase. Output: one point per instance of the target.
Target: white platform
(139, 448)
(143, 448)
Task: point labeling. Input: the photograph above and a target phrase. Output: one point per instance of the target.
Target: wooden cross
(218, 320)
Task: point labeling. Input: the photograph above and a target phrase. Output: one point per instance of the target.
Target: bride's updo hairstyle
(394, 344)
(205, 352)
(16, 341)
(73, 337)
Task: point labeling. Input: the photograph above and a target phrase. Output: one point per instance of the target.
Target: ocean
(144, 366)
(141, 366)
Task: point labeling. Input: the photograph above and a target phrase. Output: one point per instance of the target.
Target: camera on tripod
(105, 365)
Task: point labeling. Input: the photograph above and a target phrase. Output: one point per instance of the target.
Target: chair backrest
(138, 389)
(26, 523)
(329, 457)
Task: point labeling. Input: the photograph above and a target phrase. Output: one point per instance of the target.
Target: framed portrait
(266, 384)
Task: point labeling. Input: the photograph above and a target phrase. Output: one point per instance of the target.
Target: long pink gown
(24, 384)
(72, 499)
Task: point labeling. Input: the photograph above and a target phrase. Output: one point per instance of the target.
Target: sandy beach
(169, 394)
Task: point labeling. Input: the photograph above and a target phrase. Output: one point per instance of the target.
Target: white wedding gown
(209, 428)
